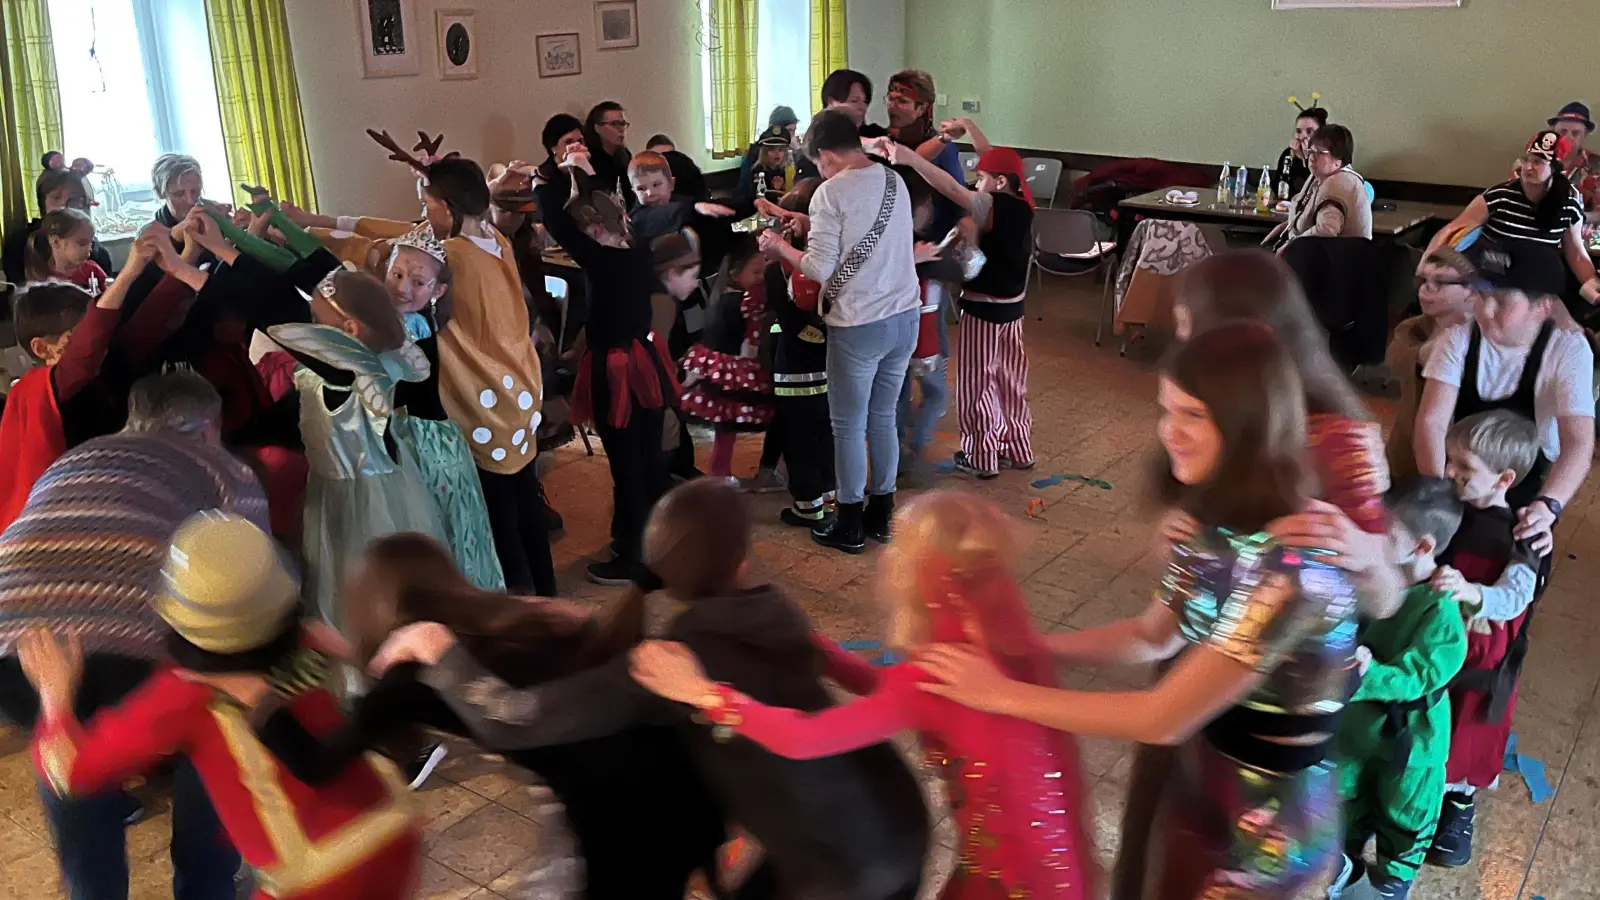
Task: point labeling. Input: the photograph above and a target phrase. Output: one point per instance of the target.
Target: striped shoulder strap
(862, 251)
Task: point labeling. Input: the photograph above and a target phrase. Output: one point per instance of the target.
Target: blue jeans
(93, 847)
(915, 422)
(866, 369)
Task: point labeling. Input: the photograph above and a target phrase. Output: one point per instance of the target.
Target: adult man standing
(909, 104)
(84, 558)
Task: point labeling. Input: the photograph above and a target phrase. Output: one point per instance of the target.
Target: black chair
(1347, 282)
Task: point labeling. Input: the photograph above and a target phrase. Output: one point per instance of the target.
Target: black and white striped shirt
(1511, 214)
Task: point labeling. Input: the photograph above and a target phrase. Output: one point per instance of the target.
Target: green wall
(1448, 96)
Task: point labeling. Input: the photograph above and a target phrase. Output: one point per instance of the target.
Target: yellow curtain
(262, 128)
(31, 123)
(733, 76)
(827, 43)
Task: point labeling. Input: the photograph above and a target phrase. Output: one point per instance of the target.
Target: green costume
(1394, 737)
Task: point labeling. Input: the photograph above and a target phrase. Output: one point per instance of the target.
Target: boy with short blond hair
(1494, 577)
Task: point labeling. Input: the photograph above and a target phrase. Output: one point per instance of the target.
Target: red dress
(727, 385)
(1015, 788)
(355, 838)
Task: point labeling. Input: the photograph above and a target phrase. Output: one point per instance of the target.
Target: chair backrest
(1044, 177)
(969, 166)
(1065, 232)
(556, 287)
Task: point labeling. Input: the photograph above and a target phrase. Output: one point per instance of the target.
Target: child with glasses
(1446, 282)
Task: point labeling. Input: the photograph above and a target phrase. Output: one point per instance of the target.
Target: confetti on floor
(1054, 480)
(1531, 770)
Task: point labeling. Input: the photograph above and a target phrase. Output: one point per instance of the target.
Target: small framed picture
(616, 24)
(388, 38)
(558, 54)
(458, 44)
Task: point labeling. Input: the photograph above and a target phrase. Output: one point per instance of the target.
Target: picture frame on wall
(559, 54)
(389, 38)
(458, 44)
(1361, 4)
(616, 24)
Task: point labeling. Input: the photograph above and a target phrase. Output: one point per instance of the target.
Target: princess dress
(445, 463)
(1240, 816)
(357, 490)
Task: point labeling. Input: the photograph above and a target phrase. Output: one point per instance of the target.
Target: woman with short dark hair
(605, 130)
(1293, 171)
(1336, 202)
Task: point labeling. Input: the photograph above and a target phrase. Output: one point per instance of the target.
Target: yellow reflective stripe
(303, 863)
(799, 392)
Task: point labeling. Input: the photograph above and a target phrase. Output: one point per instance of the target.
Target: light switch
(941, 99)
(970, 106)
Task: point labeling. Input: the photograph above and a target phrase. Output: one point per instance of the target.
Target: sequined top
(1282, 612)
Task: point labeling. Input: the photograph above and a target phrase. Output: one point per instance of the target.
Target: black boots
(844, 531)
(877, 516)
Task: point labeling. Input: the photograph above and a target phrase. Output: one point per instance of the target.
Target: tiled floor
(1089, 561)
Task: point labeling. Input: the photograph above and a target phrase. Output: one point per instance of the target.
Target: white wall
(499, 115)
(875, 39)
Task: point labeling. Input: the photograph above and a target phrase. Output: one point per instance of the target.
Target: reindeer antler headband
(428, 147)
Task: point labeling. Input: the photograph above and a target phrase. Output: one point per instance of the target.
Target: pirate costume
(232, 609)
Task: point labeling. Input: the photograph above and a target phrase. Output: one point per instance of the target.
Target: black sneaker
(1391, 888)
(616, 572)
(844, 531)
(794, 519)
(1452, 843)
(965, 467)
(1007, 462)
(418, 769)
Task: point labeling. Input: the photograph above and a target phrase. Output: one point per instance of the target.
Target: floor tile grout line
(1533, 854)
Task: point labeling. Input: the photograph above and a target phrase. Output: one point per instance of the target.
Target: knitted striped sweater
(85, 554)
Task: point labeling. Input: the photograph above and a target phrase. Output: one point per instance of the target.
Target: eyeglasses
(1319, 151)
(616, 123)
(1439, 283)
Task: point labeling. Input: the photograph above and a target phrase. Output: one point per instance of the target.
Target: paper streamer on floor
(1531, 770)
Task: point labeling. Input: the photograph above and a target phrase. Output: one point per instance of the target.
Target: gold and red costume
(355, 838)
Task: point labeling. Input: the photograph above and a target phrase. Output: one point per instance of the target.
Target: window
(136, 82)
(783, 60)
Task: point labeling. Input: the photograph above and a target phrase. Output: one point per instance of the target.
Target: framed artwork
(458, 44)
(616, 24)
(1360, 4)
(388, 38)
(558, 54)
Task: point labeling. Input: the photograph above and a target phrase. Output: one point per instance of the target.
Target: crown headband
(422, 238)
(327, 288)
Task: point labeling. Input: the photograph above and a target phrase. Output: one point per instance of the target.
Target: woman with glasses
(1336, 201)
(1446, 284)
(606, 132)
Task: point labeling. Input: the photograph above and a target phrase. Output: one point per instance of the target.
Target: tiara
(422, 238)
(326, 287)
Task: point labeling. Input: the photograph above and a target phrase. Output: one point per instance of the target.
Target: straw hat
(226, 587)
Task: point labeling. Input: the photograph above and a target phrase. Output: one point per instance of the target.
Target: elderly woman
(176, 179)
(1335, 202)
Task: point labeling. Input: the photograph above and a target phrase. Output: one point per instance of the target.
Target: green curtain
(32, 116)
(827, 43)
(733, 76)
(262, 128)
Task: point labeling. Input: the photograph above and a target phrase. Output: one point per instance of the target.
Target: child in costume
(996, 423)
(724, 381)
(1494, 576)
(68, 333)
(1395, 735)
(418, 278)
(1020, 814)
(60, 249)
(1446, 284)
(489, 380)
(1266, 634)
(626, 378)
(362, 485)
(851, 826)
(800, 383)
(239, 653)
(643, 817)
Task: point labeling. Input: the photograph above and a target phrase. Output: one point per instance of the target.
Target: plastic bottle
(1264, 191)
(1225, 185)
(1241, 186)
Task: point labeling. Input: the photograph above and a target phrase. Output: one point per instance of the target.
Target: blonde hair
(965, 532)
(1504, 440)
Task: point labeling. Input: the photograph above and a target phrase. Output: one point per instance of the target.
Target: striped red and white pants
(992, 393)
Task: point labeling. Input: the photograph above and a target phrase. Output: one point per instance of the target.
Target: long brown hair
(406, 578)
(63, 223)
(1255, 286)
(1246, 378)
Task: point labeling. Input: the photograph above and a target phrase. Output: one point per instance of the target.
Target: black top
(611, 173)
(1008, 250)
(651, 222)
(802, 337)
(621, 281)
(845, 827)
(643, 818)
(687, 178)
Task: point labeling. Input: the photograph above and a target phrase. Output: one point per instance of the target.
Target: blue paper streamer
(1531, 770)
(946, 467)
(1053, 480)
(885, 656)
